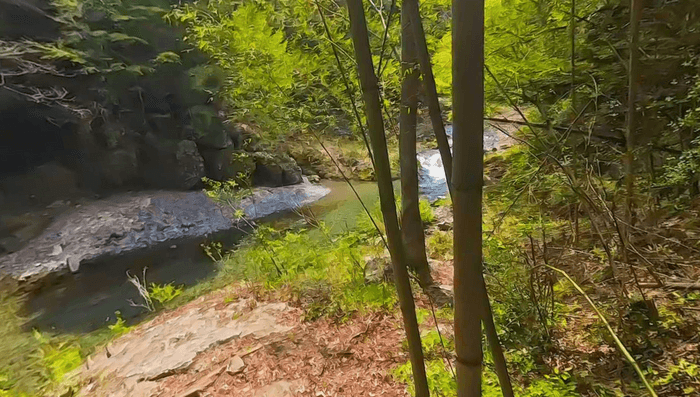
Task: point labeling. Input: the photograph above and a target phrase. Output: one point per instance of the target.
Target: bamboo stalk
(413, 12)
(375, 124)
(411, 223)
(467, 181)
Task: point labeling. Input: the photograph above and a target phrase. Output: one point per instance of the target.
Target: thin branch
(348, 88)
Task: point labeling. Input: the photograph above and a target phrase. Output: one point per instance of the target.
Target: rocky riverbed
(130, 222)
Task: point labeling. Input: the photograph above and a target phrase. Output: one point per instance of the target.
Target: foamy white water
(431, 175)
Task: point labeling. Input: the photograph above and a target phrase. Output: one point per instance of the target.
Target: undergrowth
(322, 272)
(34, 363)
(527, 221)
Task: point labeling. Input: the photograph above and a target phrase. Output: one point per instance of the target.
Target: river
(88, 299)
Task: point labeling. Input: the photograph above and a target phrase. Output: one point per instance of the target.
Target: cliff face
(104, 96)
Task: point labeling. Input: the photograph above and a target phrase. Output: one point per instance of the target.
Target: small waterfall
(431, 176)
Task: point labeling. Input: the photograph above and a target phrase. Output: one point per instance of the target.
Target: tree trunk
(573, 55)
(499, 360)
(375, 124)
(467, 181)
(411, 223)
(635, 16)
(426, 68)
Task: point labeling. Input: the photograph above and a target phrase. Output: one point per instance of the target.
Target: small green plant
(214, 250)
(434, 343)
(422, 315)
(427, 214)
(164, 293)
(440, 245)
(443, 202)
(220, 191)
(58, 357)
(682, 373)
(440, 379)
(119, 327)
(559, 384)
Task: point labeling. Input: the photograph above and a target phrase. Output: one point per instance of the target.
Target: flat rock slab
(130, 222)
(267, 201)
(138, 360)
(113, 226)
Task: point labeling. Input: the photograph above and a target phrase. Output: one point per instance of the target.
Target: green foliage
(59, 51)
(164, 293)
(34, 363)
(300, 262)
(21, 370)
(214, 251)
(683, 373)
(440, 245)
(521, 205)
(222, 192)
(59, 358)
(119, 327)
(442, 382)
(280, 66)
(434, 344)
(683, 171)
(427, 214)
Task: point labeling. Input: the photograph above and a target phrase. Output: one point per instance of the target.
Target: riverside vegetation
(553, 202)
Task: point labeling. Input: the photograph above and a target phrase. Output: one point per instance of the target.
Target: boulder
(215, 139)
(229, 164)
(238, 132)
(23, 19)
(119, 167)
(275, 170)
(190, 165)
(172, 165)
(130, 223)
(42, 185)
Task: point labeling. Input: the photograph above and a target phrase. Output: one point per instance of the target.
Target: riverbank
(325, 286)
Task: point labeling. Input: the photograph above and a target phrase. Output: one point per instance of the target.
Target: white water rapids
(431, 175)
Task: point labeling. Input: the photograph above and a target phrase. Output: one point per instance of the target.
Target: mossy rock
(229, 164)
(215, 139)
(172, 164)
(275, 170)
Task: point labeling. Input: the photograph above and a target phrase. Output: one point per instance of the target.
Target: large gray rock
(171, 164)
(112, 226)
(40, 186)
(20, 19)
(159, 349)
(229, 164)
(131, 222)
(267, 201)
(190, 165)
(275, 170)
(119, 167)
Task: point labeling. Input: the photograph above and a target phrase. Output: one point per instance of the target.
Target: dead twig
(673, 286)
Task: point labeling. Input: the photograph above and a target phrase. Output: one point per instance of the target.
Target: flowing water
(87, 300)
(432, 181)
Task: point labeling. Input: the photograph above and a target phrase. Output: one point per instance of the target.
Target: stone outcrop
(130, 222)
(157, 350)
(149, 123)
(275, 170)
